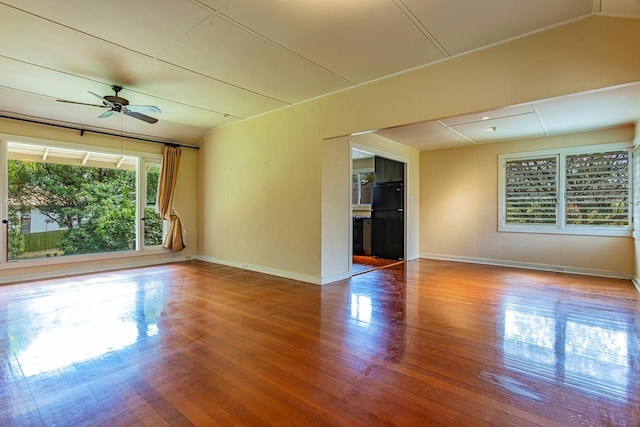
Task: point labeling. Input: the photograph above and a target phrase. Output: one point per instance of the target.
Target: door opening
(378, 212)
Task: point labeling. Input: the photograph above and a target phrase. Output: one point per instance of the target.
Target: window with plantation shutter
(567, 191)
(531, 191)
(636, 191)
(597, 189)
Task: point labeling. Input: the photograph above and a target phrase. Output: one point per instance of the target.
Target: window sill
(571, 231)
(71, 259)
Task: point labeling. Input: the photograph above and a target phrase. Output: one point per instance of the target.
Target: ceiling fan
(116, 104)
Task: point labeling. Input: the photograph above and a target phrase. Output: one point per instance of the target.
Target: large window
(64, 201)
(567, 192)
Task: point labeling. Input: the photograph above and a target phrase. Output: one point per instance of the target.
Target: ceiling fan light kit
(117, 104)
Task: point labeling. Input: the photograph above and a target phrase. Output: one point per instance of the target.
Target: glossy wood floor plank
(421, 343)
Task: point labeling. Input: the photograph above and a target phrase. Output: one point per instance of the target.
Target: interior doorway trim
(381, 153)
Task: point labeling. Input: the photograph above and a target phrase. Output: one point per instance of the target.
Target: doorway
(377, 211)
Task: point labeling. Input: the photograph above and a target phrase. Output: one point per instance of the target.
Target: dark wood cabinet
(358, 236)
(388, 170)
(361, 235)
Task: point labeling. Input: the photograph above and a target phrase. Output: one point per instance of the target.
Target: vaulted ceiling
(209, 63)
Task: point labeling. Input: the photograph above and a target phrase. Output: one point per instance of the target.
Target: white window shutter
(531, 191)
(598, 189)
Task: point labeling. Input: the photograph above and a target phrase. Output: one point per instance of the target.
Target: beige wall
(459, 212)
(293, 225)
(267, 205)
(184, 204)
(336, 210)
(261, 194)
(587, 54)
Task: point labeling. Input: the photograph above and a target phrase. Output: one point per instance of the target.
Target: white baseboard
(145, 262)
(532, 266)
(335, 278)
(266, 270)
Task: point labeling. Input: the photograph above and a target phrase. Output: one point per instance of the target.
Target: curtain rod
(82, 131)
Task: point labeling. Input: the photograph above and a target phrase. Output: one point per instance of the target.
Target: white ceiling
(212, 62)
(601, 109)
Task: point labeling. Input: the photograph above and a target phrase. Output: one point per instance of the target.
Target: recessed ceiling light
(484, 118)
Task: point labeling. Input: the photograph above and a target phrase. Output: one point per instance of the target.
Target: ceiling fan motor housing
(115, 99)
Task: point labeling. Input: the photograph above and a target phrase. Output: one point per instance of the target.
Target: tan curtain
(166, 189)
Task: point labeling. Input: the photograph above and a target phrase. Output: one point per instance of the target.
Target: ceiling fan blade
(82, 103)
(116, 104)
(139, 116)
(144, 109)
(106, 102)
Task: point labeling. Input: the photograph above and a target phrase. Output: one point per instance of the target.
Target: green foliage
(16, 242)
(152, 227)
(152, 219)
(96, 205)
(153, 177)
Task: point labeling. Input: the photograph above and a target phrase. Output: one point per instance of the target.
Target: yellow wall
(293, 224)
(184, 204)
(336, 210)
(587, 54)
(460, 211)
(261, 194)
(265, 200)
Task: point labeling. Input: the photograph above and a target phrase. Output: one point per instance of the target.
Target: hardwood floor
(363, 264)
(421, 343)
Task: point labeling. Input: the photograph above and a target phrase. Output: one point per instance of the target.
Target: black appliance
(387, 220)
(358, 236)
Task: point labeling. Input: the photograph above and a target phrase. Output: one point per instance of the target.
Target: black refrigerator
(387, 220)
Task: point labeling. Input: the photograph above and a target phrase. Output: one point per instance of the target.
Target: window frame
(636, 190)
(143, 158)
(357, 173)
(561, 226)
(143, 204)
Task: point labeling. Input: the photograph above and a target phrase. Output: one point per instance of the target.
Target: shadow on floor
(363, 264)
